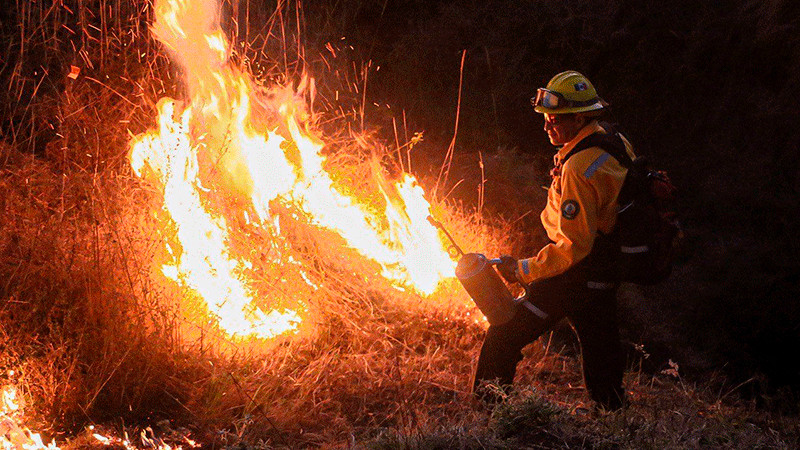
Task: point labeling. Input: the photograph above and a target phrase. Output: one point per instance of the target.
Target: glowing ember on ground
(148, 441)
(15, 436)
(213, 144)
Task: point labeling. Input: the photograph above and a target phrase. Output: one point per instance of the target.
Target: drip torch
(484, 285)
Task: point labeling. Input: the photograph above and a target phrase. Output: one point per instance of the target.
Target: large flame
(213, 142)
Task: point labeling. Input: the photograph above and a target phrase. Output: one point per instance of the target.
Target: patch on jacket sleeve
(570, 209)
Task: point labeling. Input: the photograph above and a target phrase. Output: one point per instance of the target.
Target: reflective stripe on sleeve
(596, 164)
(526, 269)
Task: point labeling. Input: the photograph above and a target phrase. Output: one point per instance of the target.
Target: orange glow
(13, 435)
(147, 440)
(211, 143)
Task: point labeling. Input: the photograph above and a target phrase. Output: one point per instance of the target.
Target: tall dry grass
(94, 333)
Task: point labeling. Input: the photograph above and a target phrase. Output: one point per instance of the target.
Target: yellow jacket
(581, 200)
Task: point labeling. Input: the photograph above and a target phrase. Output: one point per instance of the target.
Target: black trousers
(592, 312)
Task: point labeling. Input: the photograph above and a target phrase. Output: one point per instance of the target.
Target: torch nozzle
(453, 244)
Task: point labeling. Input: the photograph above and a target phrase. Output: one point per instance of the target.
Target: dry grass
(94, 333)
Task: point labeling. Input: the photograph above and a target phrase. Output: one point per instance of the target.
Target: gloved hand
(508, 268)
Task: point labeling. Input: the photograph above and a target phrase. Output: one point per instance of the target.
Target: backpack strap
(610, 142)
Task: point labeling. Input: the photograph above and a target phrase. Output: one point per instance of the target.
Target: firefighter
(569, 277)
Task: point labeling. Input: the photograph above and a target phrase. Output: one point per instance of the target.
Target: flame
(213, 144)
(9, 398)
(13, 435)
(148, 440)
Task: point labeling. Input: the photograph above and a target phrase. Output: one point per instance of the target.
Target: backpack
(647, 230)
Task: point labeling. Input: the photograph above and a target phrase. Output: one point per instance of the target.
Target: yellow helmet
(566, 93)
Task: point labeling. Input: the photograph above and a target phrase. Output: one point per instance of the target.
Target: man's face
(562, 128)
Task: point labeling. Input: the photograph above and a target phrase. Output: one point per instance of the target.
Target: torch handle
(524, 300)
(439, 225)
(526, 295)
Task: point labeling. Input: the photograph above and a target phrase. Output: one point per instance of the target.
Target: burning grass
(92, 331)
(96, 330)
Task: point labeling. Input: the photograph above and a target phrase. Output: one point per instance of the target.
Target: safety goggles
(555, 100)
